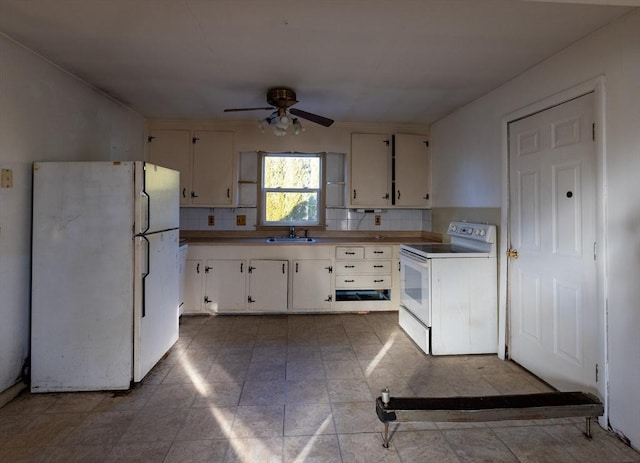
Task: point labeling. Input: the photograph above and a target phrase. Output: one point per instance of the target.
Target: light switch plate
(211, 220)
(6, 178)
(241, 220)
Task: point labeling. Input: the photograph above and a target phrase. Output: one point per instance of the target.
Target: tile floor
(297, 388)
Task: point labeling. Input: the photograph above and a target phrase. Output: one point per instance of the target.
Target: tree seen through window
(291, 188)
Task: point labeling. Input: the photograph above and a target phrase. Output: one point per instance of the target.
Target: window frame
(262, 224)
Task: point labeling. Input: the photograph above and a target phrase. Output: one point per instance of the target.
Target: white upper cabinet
(389, 171)
(205, 159)
(412, 179)
(213, 164)
(172, 149)
(370, 170)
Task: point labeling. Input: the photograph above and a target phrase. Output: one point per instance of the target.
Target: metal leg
(587, 428)
(385, 438)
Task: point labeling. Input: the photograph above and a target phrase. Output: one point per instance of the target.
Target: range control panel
(483, 232)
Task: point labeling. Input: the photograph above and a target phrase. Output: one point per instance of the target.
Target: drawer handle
(349, 281)
(350, 253)
(349, 266)
(378, 281)
(378, 266)
(378, 252)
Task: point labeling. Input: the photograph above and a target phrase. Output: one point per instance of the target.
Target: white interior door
(552, 281)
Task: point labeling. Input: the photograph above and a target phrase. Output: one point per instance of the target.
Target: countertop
(328, 238)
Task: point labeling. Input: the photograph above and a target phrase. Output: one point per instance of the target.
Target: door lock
(512, 253)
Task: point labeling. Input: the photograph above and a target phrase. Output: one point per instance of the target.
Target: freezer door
(158, 198)
(82, 276)
(156, 299)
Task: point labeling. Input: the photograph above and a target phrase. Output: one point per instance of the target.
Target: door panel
(566, 185)
(552, 282)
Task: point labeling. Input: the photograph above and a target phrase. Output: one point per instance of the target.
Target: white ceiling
(396, 61)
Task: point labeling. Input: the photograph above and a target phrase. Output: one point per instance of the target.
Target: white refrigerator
(104, 297)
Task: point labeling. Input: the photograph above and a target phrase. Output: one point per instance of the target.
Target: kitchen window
(291, 189)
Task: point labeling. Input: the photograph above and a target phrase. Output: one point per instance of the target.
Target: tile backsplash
(338, 219)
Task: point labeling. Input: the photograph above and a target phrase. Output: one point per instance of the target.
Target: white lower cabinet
(226, 289)
(275, 278)
(364, 278)
(268, 284)
(193, 286)
(311, 284)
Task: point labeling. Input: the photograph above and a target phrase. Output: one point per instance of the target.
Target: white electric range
(449, 297)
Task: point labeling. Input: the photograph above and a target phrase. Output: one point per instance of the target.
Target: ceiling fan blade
(324, 121)
(247, 109)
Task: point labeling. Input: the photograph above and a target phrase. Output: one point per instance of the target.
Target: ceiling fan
(281, 99)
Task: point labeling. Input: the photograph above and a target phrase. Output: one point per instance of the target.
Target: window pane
(291, 172)
(291, 207)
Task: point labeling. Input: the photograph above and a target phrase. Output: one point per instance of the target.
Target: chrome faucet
(292, 232)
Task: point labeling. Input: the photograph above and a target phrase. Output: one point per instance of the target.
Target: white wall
(468, 143)
(338, 219)
(45, 115)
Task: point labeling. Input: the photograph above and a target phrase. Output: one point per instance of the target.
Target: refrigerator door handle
(148, 212)
(145, 274)
(144, 193)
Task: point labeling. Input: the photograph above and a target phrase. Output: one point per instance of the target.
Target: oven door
(415, 285)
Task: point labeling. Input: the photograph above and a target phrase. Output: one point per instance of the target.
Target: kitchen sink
(286, 239)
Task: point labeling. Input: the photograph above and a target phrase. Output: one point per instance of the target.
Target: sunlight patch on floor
(198, 381)
(304, 453)
(380, 355)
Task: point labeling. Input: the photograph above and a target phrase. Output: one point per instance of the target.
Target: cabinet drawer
(378, 252)
(363, 281)
(363, 267)
(349, 252)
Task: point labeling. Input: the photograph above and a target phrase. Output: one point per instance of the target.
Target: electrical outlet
(377, 220)
(241, 220)
(6, 176)
(211, 220)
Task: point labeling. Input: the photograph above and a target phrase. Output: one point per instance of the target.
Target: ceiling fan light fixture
(263, 124)
(281, 99)
(297, 127)
(279, 132)
(283, 121)
(280, 121)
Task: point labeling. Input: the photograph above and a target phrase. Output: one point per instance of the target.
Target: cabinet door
(370, 170)
(193, 294)
(226, 285)
(213, 164)
(172, 149)
(412, 177)
(268, 283)
(311, 284)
